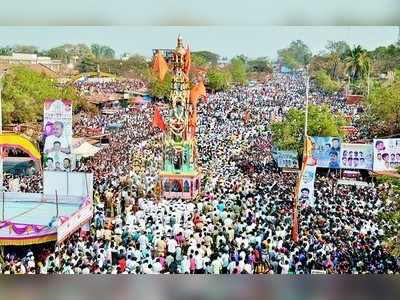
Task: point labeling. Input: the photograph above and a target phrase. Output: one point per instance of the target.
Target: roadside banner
(76, 221)
(386, 154)
(287, 159)
(356, 156)
(57, 133)
(306, 192)
(326, 151)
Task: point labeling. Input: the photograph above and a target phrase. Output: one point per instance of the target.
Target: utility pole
(307, 91)
(1, 132)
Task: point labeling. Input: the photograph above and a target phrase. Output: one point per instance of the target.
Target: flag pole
(295, 221)
(306, 118)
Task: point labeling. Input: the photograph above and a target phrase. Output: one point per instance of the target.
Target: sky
(204, 12)
(252, 41)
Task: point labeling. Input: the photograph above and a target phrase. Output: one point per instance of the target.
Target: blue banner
(326, 151)
(286, 159)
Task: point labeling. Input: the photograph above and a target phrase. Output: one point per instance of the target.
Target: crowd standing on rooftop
(241, 223)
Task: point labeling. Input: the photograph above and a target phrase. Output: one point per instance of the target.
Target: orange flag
(196, 92)
(158, 121)
(193, 120)
(160, 66)
(187, 62)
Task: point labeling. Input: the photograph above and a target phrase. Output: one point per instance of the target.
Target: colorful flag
(160, 66)
(158, 121)
(193, 123)
(196, 92)
(187, 62)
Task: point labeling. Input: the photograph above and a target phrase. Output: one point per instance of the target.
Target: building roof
(103, 98)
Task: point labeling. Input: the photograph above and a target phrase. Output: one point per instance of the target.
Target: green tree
(102, 51)
(26, 49)
(59, 53)
(382, 108)
(199, 60)
(357, 63)
(136, 66)
(392, 216)
(218, 80)
(385, 59)
(24, 91)
(238, 70)
(289, 133)
(340, 48)
(6, 51)
(208, 56)
(297, 55)
(261, 64)
(160, 89)
(88, 65)
(325, 82)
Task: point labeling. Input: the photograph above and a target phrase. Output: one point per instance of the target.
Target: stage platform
(27, 218)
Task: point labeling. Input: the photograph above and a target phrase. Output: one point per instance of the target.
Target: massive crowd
(109, 87)
(241, 224)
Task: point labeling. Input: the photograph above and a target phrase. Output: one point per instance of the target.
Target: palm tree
(357, 63)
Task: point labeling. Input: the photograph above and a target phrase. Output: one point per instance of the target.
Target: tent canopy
(86, 150)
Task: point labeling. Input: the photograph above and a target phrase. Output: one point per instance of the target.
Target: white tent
(86, 150)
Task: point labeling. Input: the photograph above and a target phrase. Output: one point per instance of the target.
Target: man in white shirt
(171, 246)
(58, 136)
(199, 261)
(216, 265)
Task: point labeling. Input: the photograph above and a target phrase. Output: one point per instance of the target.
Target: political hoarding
(306, 195)
(287, 159)
(77, 220)
(326, 151)
(356, 156)
(57, 133)
(386, 154)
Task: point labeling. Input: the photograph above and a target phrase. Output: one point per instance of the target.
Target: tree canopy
(24, 91)
(205, 58)
(160, 89)
(102, 51)
(260, 64)
(289, 133)
(325, 82)
(383, 109)
(238, 69)
(6, 51)
(385, 59)
(25, 49)
(296, 56)
(218, 80)
(357, 63)
(340, 48)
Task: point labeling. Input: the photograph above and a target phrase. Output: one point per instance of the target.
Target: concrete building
(33, 59)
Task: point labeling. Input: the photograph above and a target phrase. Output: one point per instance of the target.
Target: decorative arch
(16, 141)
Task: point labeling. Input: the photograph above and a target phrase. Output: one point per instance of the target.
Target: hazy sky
(204, 12)
(226, 41)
